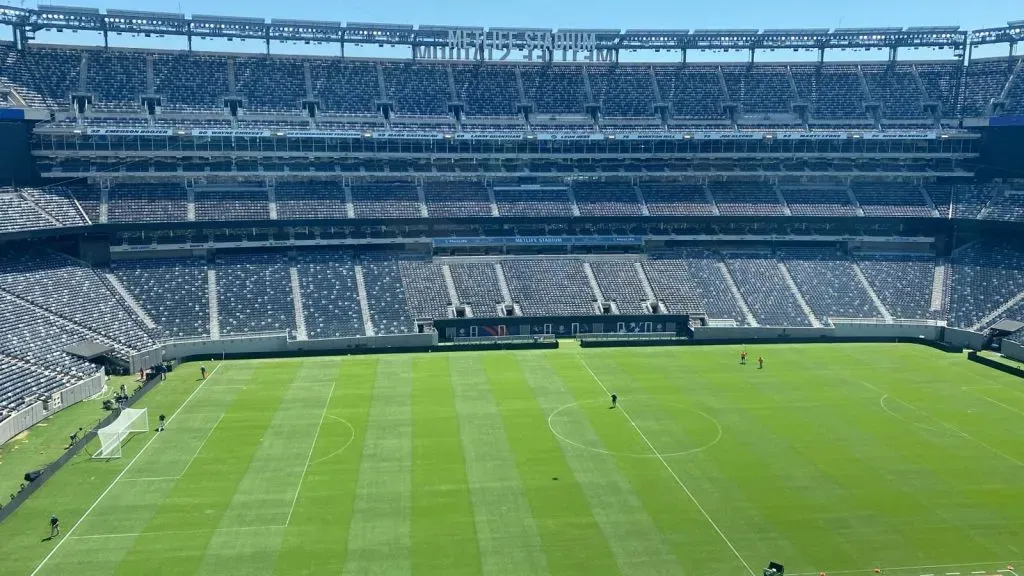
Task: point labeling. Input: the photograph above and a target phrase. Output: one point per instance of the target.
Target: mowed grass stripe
(266, 492)
(443, 531)
(130, 505)
(378, 538)
(193, 509)
(628, 530)
(506, 532)
(572, 539)
(688, 533)
(315, 540)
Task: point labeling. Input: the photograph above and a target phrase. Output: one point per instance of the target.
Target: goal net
(112, 436)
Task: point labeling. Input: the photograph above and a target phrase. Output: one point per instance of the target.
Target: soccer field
(834, 458)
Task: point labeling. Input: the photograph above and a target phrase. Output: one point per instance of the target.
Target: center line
(310, 455)
(670, 471)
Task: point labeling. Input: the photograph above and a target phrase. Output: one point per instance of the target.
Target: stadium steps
(211, 291)
(39, 209)
(494, 203)
(871, 292)
(711, 200)
(422, 199)
(231, 75)
(119, 288)
(150, 75)
(350, 208)
(782, 201)
(503, 283)
(995, 314)
(190, 210)
(364, 305)
(572, 201)
(784, 271)
(104, 205)
(644, 210)
(271, 203)
(300, 315)
(854, 200)
(929, 202)
(645, 282)
(655, 89)
(938, 286)
(122, 350)
(83, 72)
(307, 79)
(595, 288)
(449, 284)
(735, 291)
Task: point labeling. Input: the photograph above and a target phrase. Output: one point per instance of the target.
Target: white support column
(211, 292)
(364, 305)
(300, 316)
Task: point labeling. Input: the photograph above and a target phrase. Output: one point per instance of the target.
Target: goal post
(113, 435)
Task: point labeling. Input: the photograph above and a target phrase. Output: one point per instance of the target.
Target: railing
(628, 336)
(895, 321)
(245, 336)
(504, 339)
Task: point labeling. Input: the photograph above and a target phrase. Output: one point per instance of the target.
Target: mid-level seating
(58, 203)
(606, 199)
(147, 203)
(891, 199)
(330, 299)
(532, 202)
(818, 201)
(984, 277)
(310, 200)
(386, 200)
(457, 198)
(232, 204)
(673, 198)
(902, 282)
(18, 214)
(549, 287)
(762, 286)
(172, 291)
(828, 283)
(254, 293)
(1006, 205)
(748, 198)
(476, 283)
(385, 293)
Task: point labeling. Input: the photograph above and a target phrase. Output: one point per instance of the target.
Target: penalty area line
(670, 470)
(120, 476)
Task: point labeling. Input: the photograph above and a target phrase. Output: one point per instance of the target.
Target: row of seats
(199, 83)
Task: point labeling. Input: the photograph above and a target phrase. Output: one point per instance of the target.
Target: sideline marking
(121, 475)
(868, 570)
(302, 478)
(670, 470)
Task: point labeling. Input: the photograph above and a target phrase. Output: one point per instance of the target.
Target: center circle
(672, 429)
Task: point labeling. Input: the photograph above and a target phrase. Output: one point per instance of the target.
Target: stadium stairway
(121, 291)
(735, 291)
(784, 271)
(364, 305)
(645, 282)
(871, 292)
(300, 316)
(449, 284)
(592, 280)
(938, 286)
(503, 283)
(211, 291)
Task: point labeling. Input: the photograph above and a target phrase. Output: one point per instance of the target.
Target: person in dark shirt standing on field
(202, 372)
(760, 362)
(615, 400)
(54, 526)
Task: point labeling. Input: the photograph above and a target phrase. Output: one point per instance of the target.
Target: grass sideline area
(835, 458)
(989, 354)
(40, 445)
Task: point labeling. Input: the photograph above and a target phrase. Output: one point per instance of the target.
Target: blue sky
(616, 14)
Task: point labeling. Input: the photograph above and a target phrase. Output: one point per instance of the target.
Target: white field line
(920, 567)
(153, 479)
(309, 456)
(134, 534)
(998, 403)
(671, 471)
(201, 446)
(119, 476)
(948, 426)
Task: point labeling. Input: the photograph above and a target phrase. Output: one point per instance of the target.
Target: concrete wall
(964, 338)
(855, 330)
(707, 333)
(28, 417)
(279, 344)
(1013, 350)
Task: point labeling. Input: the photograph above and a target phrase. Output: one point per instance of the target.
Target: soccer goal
(112, 436)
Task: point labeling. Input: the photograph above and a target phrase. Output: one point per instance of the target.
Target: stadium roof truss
(497, 43)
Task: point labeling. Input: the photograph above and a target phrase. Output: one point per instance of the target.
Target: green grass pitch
(834, 458)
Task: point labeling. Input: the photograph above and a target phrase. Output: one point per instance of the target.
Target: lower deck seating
(763, 288)
(828, 283)
(254, 293)
(701, 269)
(984, 277)
(385, 293)
(620, 283)
(172, 291)
(549, 287)
(425, 289)
(330, 299)
(672, 285)
(902, 282)
(476, 283)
